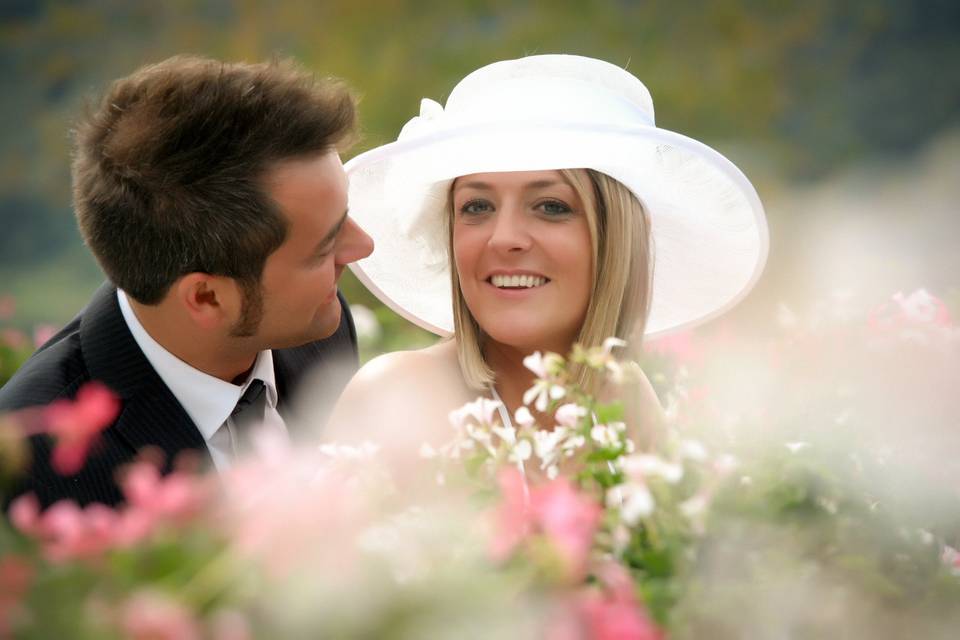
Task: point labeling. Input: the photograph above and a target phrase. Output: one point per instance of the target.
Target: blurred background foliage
(795, 93)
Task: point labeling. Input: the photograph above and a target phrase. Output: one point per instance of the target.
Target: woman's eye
(474, 207)
(554, 207)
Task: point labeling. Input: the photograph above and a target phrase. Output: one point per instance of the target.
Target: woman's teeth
(517, 282)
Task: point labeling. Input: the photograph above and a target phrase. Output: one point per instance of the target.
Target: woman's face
(522, 249)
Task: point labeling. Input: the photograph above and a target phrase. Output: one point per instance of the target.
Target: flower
(481, 411)
(523, 417)
(644, 466)
(546, 445)
(16, 576)
(634, 499)
(568, 520)
(8, 306)
(65, 531)
(176, 497)
(544, 366)
(512, 519)
(693, 450)
(613, 613)
(42, 334)
(564, 518)
(76, 423)
(150, 615)
(607, 435)
(568, 415)
(544, 389)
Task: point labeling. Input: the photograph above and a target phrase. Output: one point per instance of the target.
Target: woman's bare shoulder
(400, 388)
(406, 370)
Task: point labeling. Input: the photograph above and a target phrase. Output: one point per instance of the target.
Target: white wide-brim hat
(556, 112)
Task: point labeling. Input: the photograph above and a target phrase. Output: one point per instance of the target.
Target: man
(213, 197)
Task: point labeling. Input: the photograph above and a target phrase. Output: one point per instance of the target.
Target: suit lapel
(151, 414)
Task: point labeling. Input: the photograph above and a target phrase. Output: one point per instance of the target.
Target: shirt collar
(208, 400)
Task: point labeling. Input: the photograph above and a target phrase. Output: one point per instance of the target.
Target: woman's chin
(525, 337)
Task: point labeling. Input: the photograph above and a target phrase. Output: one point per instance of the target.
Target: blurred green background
(844, 114)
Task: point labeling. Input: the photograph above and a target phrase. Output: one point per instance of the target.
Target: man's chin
(326, 322)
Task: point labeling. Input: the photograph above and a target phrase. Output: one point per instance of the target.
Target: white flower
(571, 444)
(541, 393)
(920, 307)
(535, 363)
(694, 506)
(427, 451)
(794, 447)
(546, 445)
(507, 434)
(543, 366)
(568, 415)
(543, 389)
(725, 464)
(786, 318)
(520, 453)
(693, 450)
(634, 499)
(609, 343)
(552, 472)
(604, 435)
(363, 451)
(644, 466)
(951, 558)
(523, 417)
(481, 410)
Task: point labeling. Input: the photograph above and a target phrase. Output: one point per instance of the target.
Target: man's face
(299, 280)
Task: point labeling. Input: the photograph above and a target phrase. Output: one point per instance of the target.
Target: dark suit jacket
(97, 345)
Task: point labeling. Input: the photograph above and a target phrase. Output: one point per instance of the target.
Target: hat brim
(708, 226)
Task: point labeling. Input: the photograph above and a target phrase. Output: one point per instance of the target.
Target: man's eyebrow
(332, 234)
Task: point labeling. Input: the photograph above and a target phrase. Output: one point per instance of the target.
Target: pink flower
(65, 531)
(16, 576)
(8, 306)
(513, 519)
(76, 423)
(678, 346)
(614, 613)
(42, 334)
(155, 616)
(25, 514)
(230, 625)
(566, 520)
(176, 495)
(919, 309)
(14, 338)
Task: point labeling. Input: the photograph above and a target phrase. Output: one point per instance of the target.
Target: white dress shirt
(208, 401)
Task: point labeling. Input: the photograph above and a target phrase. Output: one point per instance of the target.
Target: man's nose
(355, 245)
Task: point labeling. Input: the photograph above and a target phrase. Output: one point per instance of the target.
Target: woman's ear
(210, 301)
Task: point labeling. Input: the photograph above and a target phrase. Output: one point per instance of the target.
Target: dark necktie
(248, 414)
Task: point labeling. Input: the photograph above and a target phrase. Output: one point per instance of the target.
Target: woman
(523, 217)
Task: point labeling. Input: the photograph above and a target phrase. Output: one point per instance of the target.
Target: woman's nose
(510, 232)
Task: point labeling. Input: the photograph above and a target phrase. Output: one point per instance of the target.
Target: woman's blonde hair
(622, 276)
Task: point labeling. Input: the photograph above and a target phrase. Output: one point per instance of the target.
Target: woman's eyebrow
(486, 186)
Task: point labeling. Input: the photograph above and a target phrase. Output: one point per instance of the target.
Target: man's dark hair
(167, 178)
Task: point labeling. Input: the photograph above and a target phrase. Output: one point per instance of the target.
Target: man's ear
(210, 301)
